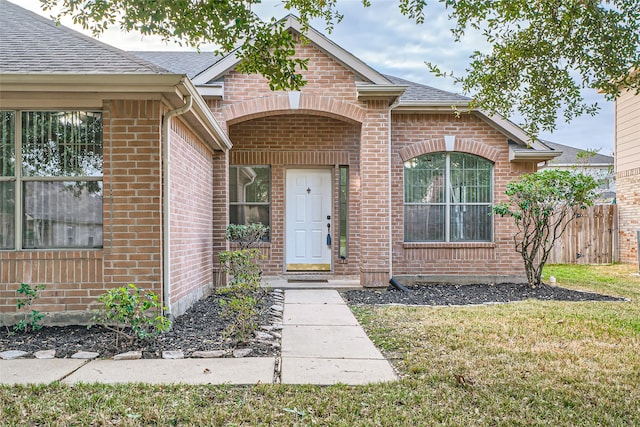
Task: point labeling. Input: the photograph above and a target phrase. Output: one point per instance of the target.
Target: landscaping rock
(12, 354)
(45, 354)
(173, 354)
(209, 354)
(241, 352)
(276, 335)
(129, 355)
(263, 336)
(277, 308)
(85, 355)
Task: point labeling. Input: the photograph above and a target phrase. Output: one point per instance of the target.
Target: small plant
(247, 236)
(241, 296)
(32, 318)
(130, 312)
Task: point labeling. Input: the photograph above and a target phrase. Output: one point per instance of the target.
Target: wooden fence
(589, 239)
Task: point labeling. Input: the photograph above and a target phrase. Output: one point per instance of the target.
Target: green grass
(527, 363)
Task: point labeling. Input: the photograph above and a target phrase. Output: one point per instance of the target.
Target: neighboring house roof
(32, 44)
(189, 63)
(570, 156)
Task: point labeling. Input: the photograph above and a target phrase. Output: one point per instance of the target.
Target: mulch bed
(449, 294)
(199, 329)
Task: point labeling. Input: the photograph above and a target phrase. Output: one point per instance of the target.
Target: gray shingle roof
(31, 44)
(569, 155)
(189, 63)
(420, 92)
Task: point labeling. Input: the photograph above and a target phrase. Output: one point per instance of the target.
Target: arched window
(448, 198)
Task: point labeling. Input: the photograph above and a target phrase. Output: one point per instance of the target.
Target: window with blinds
(58, 183)
(448, 198)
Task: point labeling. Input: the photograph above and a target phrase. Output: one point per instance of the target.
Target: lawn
(526, 363)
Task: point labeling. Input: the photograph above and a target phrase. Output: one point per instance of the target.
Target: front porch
(312, 281)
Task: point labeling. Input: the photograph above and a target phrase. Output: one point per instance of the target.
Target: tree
(543, 204)
(543, 52)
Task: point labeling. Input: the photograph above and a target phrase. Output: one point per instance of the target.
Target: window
(343, 211)
(59, 184)
(448, 198)
(250, 195)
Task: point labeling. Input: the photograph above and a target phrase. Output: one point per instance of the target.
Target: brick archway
(462, 145)
(283, 103)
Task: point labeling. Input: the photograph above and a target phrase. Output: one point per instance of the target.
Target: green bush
(240, 298)
(247, 236)
(130, 312)
(31, 318)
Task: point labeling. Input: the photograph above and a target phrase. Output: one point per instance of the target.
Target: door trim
(311, 267)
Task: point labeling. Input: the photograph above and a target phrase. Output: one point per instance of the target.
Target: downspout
(166, 203)
(390, 207)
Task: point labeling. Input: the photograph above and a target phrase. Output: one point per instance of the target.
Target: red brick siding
(133, 189)
(628, 200)
(374, 162)
(191, 218)
(324, 76)
(132, 222)
(415, 134)
(300, 141)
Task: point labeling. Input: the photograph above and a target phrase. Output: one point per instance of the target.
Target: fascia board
(513, 131)
(323, 43)
(172, 87)
(369, 91)
(206, 120)
(429, 106)
(89, 82)
(529, 155)
(218, 69)
(340, 54)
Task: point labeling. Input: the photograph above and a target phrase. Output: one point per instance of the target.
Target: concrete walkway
(322, 343)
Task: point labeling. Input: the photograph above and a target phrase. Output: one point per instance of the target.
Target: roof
(420, 92)
(570, 156)
(189, 63)
(32, 44)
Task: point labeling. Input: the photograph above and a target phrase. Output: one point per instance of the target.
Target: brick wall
(299, 141)
(132, 225)
(191, 250)
(415, 134)
(628, 200)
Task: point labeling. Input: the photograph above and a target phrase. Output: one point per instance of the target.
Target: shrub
(542, 205)
(247, 236)
(31, 318)
(131, 312)
(240, 298)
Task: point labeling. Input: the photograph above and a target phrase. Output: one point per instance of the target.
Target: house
(118, 157)
(596, 165)
(627, 168)
(358, 174)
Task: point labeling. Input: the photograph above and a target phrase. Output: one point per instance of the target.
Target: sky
(392, 44)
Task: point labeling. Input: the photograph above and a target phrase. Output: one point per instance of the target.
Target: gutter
(166, 203)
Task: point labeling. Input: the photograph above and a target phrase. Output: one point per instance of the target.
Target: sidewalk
(322, 343)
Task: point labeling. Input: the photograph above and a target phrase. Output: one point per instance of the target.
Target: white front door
(308, 211)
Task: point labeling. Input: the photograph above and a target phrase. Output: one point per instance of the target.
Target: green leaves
(31, 318)
(545, 52)
(542, 205)
(131, 308)
(542, 53)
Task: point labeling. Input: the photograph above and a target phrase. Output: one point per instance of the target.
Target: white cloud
(392, 44)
